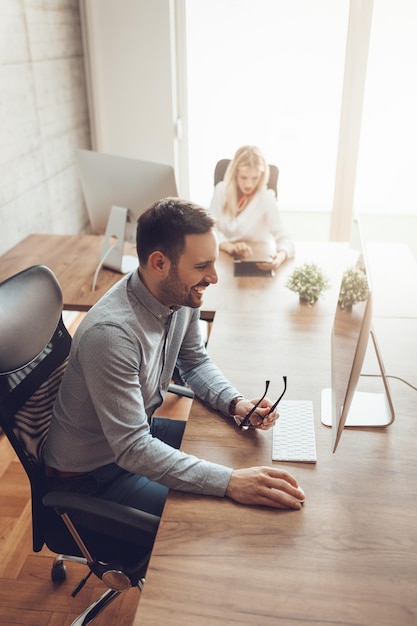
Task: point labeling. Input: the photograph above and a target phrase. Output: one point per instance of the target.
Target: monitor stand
(368, 409)
(114, 241)
(112, 255)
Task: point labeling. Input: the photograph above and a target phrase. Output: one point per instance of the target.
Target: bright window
(270, 73)
(385, 180)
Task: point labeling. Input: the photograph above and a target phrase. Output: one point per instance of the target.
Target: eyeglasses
(245, 423)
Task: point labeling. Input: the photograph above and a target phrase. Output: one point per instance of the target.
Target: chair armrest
(106, 517)
(179, 390)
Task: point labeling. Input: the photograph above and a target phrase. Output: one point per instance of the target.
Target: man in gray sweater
(103, 438)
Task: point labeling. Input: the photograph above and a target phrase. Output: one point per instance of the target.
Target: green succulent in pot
(309, 281)
(353, 288)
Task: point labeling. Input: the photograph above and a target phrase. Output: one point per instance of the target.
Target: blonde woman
(245, 210)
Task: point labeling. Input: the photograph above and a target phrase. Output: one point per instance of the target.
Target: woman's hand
(238, 249)
(277, 259)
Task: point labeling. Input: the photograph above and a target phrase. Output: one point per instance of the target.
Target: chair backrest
(34, 348)
(221, 167)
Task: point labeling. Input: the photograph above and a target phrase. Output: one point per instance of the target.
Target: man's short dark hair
(164, 225)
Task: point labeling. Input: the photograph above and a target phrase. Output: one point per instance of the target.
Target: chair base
(91, 612)
(58, 569)
(58, 574)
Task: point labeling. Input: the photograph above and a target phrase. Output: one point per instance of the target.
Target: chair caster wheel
(58, 572)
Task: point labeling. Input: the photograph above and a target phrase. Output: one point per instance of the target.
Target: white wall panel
(130, 64)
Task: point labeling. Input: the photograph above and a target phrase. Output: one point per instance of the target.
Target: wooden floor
(27, 595)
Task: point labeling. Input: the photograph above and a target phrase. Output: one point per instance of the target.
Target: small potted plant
(353, 289)
(309, 281)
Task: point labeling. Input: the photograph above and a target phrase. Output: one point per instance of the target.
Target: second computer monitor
(109, 180)
(345, 404)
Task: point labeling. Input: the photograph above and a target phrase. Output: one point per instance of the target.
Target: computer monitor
(345, 405)
(108, 181)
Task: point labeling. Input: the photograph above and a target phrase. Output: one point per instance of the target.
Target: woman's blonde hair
(246, 156)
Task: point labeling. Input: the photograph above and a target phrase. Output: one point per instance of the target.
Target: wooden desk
(393, 269)
(269, 294)
(349, 556)
(73, 259)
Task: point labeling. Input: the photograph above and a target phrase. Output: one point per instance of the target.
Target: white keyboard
(293, 435)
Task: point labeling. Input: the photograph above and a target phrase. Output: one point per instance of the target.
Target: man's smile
(200, 289)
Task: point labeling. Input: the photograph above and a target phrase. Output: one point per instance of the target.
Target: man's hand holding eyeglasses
(261, 414)
(262, 418)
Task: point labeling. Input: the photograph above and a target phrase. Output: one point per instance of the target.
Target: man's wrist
(232, 406)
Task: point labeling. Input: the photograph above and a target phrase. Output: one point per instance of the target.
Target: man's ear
(159, 263)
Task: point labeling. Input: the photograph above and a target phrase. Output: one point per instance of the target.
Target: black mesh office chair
(221, 167)
(115, 541)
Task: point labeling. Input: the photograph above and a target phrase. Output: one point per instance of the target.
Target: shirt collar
(144, 296)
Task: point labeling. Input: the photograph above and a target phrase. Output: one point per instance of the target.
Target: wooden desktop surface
(258, 294)
(349, 556)
(73, 259)
(394, 276)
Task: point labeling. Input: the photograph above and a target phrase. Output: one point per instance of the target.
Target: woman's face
(247, 179)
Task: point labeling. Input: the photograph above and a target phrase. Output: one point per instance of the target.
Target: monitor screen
(344, 404)
(108, 180)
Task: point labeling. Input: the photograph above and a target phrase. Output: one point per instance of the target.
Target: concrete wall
(43, 118)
